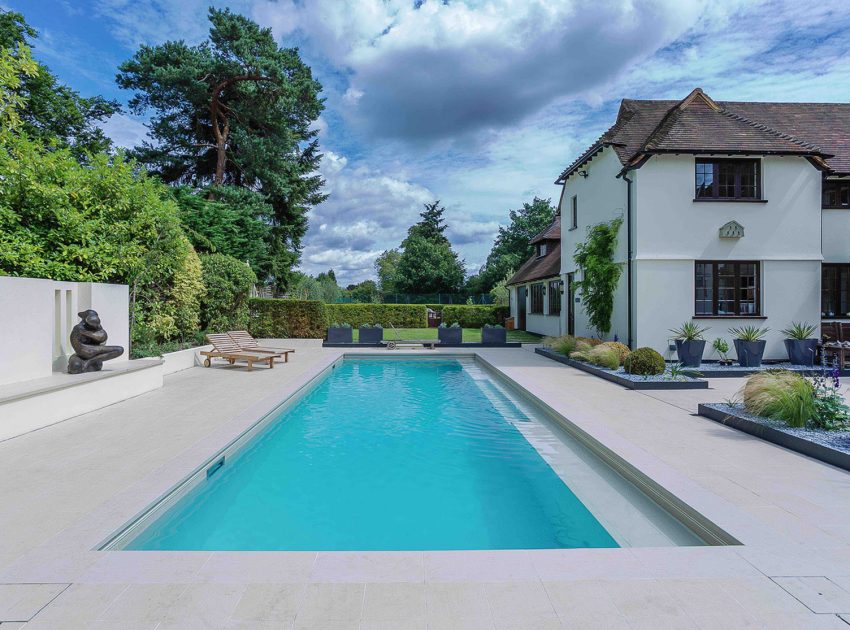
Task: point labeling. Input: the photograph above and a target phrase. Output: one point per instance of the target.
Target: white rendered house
(733, 213)
(536, 289)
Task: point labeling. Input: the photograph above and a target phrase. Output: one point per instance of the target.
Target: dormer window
(725, 179)
(541, 250)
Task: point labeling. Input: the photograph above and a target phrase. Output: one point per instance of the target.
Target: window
(574, 212)
(541, 250)
(537, 291)
(836, 194)
(554, 292)
(835, 290)
(727, 179)
(727, 289)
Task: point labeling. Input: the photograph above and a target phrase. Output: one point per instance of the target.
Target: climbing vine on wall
(600, 274)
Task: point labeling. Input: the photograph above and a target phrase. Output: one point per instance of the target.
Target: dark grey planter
(371, 335)
(801, 351)
(339, 334)
(450, 336)
(749, 352)
(494, 335)
(690, 352)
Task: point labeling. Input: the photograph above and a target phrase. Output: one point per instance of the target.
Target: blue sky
(478, 103)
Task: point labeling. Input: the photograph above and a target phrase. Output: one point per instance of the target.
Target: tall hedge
(294, 319)
(474, 316)
(398, 315)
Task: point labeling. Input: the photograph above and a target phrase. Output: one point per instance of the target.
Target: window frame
(553, 291)
(536, 293)
(574, 212)
(715, 184)
(836, 289)
(839, 183)
(542, 249)
(737, 290)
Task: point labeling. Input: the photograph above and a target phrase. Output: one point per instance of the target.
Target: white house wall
(601, 198)
(545, 324)
(664, 293)
(673, 231)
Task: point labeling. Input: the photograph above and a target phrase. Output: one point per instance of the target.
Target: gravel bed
(838, 440)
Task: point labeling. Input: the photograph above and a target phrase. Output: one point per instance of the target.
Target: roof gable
(699, 124)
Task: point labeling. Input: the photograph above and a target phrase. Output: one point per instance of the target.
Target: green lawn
(470, 335)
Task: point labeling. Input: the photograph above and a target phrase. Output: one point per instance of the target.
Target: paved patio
(65, 488)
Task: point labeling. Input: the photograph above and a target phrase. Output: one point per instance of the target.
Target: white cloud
(125, 132)
(449, 69)
(368, 211)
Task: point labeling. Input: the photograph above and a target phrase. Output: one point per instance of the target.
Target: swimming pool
(407, 454)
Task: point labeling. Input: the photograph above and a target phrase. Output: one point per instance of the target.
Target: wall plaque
(733, 229)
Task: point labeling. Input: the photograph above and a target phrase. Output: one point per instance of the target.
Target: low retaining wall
(789, 441)
(182, 359)
(42, 402)
(621, 380)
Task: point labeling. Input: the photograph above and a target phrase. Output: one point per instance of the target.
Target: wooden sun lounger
(225, 348)
(245, 341)
(431, 344)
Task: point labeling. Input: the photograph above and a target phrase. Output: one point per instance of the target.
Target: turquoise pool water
(384, 455)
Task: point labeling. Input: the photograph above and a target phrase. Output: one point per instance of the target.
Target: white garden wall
(36, 318)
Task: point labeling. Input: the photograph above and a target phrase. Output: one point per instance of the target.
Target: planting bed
(621, 377)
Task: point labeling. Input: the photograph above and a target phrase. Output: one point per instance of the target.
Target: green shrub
(622, 349)
(580, 355)
(474, 316)
(564, 344)
(398, 315)
(581, 345)
(645, 361)
(780, 395)
(604, 356)
(228, 282)
(298, 319)
(590, 341)
(166, 302)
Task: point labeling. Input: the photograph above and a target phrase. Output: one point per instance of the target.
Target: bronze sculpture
(88, 339)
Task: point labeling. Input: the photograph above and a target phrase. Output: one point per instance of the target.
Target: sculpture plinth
(88, 338)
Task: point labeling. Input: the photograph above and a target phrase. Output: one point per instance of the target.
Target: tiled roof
(551, 233)
(698, 124)
(545, 266)
(535, 268)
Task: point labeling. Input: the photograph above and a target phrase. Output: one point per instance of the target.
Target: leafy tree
(500, 293)
(228, 282)
(322, 288)
(432, 226)
(103, 221)
(599, 273)
(429, 267)
(365, 292)
(428, 264)
(386, 266)
(231, 225)
(513, 247)
(55, 114)
(235, 110)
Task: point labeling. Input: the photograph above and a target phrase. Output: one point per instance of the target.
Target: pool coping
(71, 555)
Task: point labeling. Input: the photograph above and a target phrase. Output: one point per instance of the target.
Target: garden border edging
(780, 438)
